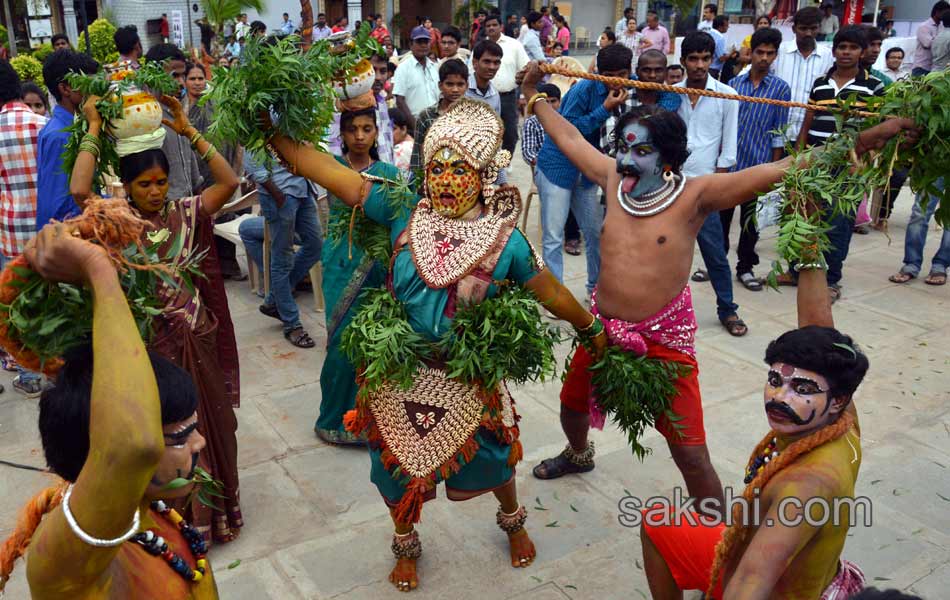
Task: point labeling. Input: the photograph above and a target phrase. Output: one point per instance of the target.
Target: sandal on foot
(573, 247)
(834, 292)
(901, 277)
(700, 275)
(750, 281)
(561, 465)
(269, 310)
(300, 338)
(936, 278)
(735, 326)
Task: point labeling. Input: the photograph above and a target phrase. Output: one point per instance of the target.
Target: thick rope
(662, 87)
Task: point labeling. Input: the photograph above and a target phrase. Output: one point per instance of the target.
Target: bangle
(194, 139)
(209, 153)
(595, 328)
(536, 98)
(93, 541)
(90, 144)
(819, 265)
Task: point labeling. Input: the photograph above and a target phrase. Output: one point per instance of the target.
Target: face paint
(796, 400)
(638, 161)
(454, 185)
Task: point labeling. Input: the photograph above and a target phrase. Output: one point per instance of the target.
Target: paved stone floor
(317, 529)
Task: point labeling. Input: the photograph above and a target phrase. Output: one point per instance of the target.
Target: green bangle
(209, 153)
(595, 328)
(87, 146)
(194, 139)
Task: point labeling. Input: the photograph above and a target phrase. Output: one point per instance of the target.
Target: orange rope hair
(662, 87)
(735, 536)
(29, 519)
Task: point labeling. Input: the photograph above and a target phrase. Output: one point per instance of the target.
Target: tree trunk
(306, 23)
(11, 33)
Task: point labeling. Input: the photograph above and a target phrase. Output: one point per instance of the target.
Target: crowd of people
(633, 179)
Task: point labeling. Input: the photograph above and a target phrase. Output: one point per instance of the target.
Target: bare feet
(522, 549)
(404, 577)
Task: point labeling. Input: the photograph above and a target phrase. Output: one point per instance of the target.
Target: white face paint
(797, 400)
(638, 161)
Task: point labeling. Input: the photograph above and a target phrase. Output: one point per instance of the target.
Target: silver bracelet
(92, 541)
(814, 265)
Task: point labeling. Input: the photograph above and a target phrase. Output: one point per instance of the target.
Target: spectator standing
(675, 74)
(60, 42)
(563, 34)
(800, 63)
(711, 126)
(233, 48)
(533, 132)
(53, 200)
(19, 140)
(759, 141)
(35, 98)
(523, 31)
(829, 23)
(532, 43)
(342, 24)
(709, 13)
(512, 27)
(384, 127)
(926, 33)
(286, 26)
(402, 141)
(453, 84)
(656, 34)
(477, 33)
(241, 28)
(631, 38)
(452, 45)
(436, 37)
(486, 60)
(894, 61)
(628, 13)
(320, 30)
(547, 26)
(916, 237)
(561, 186)
(415, 84)
(515, 59)
(288, 210)
(940, 48)
(164, 28)
(845, 80)
(721, 55)
(380, 31)
(128, 45)
(872, 52)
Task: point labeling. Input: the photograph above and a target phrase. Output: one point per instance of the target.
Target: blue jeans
(916, 237)
(713, 248)
(287, 269)
(556, 203)
(842, 229)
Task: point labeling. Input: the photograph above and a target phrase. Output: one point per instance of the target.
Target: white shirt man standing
(416, 83)
(513, 60)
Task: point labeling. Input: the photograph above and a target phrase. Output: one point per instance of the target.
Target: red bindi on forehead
(631, 137)
(787, 370)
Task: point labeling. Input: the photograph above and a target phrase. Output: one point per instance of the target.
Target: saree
(345, 275)
(196, 333)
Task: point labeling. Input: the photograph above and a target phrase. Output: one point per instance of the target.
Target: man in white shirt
(532, 41)
(320, 30)
(895, 69)
(800, 63)
(711, 129)
(286, 26)
(514, 59)
(709, 13)
(416, 83)
(926, 33)
(829, 24)
(241, 28)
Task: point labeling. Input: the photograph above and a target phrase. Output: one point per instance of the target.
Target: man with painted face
(449, 251)
(118, 427)
(654, 214)
(787, 537)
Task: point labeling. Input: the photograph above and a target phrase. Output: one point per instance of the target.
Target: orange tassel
(516, 454)
(351, 421)
(409, 509)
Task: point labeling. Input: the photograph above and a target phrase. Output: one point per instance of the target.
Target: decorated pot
(357, 82)
(340, 42)
(141, 115)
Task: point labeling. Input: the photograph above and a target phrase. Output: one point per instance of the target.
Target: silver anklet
(512, 523)
(93, 541)
(584, 458)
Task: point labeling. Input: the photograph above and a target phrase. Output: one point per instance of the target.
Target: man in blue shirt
(53, 200)
(720, 56)
(562, 187)
(760, 140)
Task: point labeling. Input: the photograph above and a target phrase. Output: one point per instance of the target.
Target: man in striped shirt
(846, 80)
(760, 140)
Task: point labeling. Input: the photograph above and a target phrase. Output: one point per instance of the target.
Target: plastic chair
(582, 34)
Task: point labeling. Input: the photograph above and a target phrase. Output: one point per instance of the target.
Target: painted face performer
(195, 330)
(801, 470)
(450, 252)
(653, 217)
(119, 425)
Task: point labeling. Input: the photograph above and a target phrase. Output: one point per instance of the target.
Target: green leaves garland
(150, 77)
(50, 318)
(296, 87)
(635, 391)
(501, 338)
(206, 489)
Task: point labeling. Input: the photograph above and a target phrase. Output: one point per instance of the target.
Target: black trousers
(509, 116)
(748, 236)
(898, 177)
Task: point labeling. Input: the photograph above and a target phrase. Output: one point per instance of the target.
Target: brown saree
(197, 334)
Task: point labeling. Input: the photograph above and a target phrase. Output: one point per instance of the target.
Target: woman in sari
(347, 270)
(194, 331)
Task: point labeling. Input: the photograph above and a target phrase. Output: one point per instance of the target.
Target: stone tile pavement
(317, 529)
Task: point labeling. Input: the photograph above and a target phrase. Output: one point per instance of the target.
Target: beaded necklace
(653, 202)
(759, 462)
(155, 545)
